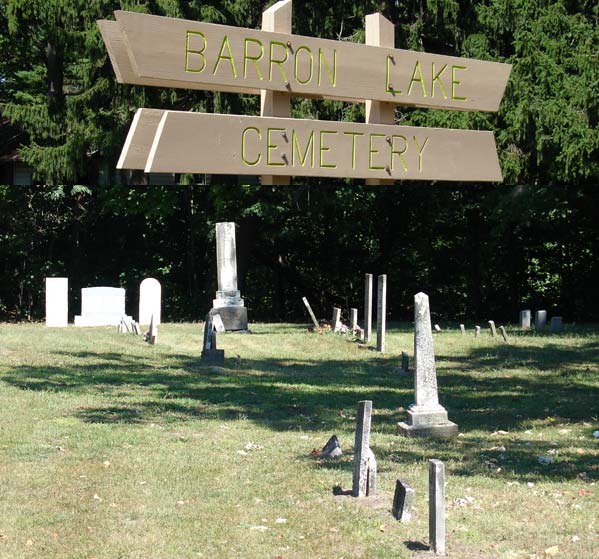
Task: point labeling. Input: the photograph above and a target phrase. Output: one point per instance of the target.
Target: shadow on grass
(505, 387)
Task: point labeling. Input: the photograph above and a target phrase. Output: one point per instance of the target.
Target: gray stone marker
(152, 331)
(405, 362)
(437, 328)
(555, 326)
(426, 417)
(314, 321)
(364, 477)
(336, 320)
(504, 334)
(476, 331)
(436, 506)
(367, 308)
(228, 296)
(492, 329)
(57, 302)
(381, 313)
(402, 501)
(353, 314)
(525, 317)
(209, 352)
(540, 320)
(463, 329)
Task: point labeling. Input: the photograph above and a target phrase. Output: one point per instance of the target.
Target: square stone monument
(57, 302)
(426, 417)
(228, 300)
(102, 306)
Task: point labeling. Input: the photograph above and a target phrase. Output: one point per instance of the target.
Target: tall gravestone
(367, 307)
(150, 301)
(426, 417)
(381, 313)
(228, 300)
(57, 302)
(525, 317)
(540, 320)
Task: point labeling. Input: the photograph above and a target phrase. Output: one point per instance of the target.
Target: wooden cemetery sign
(167, 52)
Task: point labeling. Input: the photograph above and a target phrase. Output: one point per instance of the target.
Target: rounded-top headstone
(150, 295)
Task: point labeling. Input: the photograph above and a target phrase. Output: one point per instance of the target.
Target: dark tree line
(479, 250)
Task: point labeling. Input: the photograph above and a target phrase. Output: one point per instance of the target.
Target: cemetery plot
(167, 52)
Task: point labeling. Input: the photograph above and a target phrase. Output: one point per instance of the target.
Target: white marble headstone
(101, 306)
(226, 256)
(57, 302)
(150, 295)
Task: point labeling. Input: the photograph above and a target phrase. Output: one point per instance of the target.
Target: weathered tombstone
(332, 448)
(503, 333)
(525, 316)
(228, 297)
(436, 506)
(555, 326)
(121, 327)
(127, 323)
(476, 331)
(437, 328)
(152, 332)
(101, 306)
(426, 417)
(136, 328)
(381, 313)
(492, 329)
(402, 501)
(57, 302)
(540, 320)
(405, 362)
(314, 321)
(367, 308)
(463, 329)
(336, 320)
(150, 297)
(209, 352)
(364, 477)
(353, 313)
(217, 321)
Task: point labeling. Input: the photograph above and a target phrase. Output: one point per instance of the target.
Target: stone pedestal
(426, 417)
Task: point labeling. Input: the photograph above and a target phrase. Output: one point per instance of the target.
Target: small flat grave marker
(402, 501)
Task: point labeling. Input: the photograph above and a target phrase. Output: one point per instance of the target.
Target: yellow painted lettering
(280, 61)
(243, 146)
(388, 86)
(189, 51)
(420, 79)
(296, 68)
(420, 151)
(455, 82)
(437, 78)
(372, 152)
(399, 152)
(295, 147)
(222, 56)
(324, 149)
(270, 147)
(322, 61)
(254, 59)
(354, 135)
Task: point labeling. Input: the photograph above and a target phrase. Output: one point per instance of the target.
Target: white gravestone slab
(226, 266)
(101, 306)
(57, 302)
(150, 296)
(426, 417)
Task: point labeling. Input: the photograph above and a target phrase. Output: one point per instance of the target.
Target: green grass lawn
(110, 448)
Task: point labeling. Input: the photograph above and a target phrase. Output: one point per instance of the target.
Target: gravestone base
(234, 319)
(427, 422)
(100, 319)
(213, 356)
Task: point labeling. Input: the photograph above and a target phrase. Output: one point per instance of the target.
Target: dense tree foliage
(478, 250)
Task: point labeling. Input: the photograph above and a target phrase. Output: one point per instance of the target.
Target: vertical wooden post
(380, 32)
(274, 103)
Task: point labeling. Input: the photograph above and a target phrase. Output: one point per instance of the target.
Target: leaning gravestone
(426, 417)
(402, 501)
(150, 295)
(228, 300)
(364, 477)
(101, 306)
(540, 320)
(314, 321)
(525, 316)
(492, 329)
(57, 302)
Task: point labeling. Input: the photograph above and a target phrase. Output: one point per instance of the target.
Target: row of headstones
(129, 326)
(555, 325)
(365, 474)
(100, 306)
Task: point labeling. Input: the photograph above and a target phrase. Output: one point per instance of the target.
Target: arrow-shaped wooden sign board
(183, 142)
(168, 52)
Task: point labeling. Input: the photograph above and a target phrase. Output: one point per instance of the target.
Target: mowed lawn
(111, 448)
